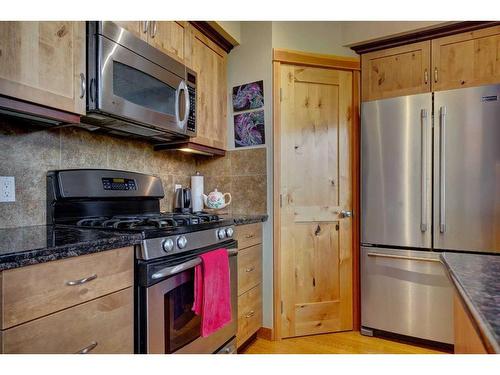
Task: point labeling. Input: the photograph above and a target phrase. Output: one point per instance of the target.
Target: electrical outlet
(7, 189)
(177, 186)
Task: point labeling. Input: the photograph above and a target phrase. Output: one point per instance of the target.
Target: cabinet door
(467, 59)
(138, 28)
(43, 63)
(209, 62)
(168, 36)
(396, 71)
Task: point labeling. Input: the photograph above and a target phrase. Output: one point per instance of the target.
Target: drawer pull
(81, 281)
(250, 269)
(250, 314)
(88, 349)
(248, 236)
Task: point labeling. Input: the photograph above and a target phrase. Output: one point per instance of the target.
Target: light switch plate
(7, 189)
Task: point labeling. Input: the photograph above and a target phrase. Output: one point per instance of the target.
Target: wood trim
(44, 114)
(279, 57)
(315, 59)
(214, 35)
(356, 198)
(276, 201)
(195, 147)
(421, 35)
(265, 333)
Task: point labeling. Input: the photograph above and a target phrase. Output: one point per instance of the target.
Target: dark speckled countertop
(24, 246)
(247, 219)
(477, 279)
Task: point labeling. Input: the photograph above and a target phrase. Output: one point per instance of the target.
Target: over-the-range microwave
(135, 89)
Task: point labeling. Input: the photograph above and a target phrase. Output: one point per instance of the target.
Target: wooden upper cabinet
(44, 63)
(138, 28)
(467, 59)
(168, 37)
(397, 71)
(209, 62)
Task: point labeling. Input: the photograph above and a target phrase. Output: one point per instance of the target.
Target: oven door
(171, 325)
(133, 88)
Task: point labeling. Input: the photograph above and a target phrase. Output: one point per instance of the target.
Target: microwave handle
(182, 87)
(170, 271)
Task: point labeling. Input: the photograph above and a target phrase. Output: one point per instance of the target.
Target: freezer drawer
(406, 292)
(467, 169)
(396, 169)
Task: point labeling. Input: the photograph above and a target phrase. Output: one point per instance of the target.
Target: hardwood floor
(351, 342)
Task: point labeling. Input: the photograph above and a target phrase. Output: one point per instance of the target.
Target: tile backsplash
(28, 152)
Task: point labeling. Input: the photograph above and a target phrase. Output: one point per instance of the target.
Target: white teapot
(216, 199)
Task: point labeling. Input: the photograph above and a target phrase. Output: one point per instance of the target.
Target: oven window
(142, 89)
(181, 324)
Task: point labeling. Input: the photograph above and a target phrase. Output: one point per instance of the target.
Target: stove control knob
(167, 245)
(221, 233)
(229, 232)
(182, 242)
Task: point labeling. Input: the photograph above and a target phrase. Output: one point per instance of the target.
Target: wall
(28, 152)
(252, 61)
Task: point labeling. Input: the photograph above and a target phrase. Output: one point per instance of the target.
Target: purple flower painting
(249, 129)
(248, 96)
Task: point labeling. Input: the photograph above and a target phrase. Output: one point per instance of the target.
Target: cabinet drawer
(248, 235)
(34, 291)
(107, 321)
(249, 268)
(249, 314)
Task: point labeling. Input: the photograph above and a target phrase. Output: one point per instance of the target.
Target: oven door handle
(169, 271)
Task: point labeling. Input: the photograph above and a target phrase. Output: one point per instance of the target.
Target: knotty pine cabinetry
(81, 304)
(249, 239)
(461, 60)
(209, 61)
(44, 63)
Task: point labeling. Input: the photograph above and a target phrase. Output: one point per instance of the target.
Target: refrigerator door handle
(442, 166)
(423, 171)
(391, 256)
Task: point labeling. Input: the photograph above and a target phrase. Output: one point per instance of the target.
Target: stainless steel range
(126, 201)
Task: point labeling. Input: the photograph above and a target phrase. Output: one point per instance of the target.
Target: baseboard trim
(265, 333)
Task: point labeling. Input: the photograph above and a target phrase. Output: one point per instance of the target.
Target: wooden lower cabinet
(104, 325)
(467, 337)
(249, 239)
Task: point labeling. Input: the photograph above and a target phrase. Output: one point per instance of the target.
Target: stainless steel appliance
(182, 200)
(99, 199)
(430, 182)
(135, 89)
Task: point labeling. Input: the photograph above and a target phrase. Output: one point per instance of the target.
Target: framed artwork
(249, 129)
(248, 96)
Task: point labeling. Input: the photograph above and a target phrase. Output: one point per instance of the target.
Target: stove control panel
(109, 183)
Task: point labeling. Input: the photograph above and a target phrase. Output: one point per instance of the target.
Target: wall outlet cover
(7, 189)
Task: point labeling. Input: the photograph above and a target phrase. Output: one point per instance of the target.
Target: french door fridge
(430, 181)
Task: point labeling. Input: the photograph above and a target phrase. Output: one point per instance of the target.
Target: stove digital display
(109, 183)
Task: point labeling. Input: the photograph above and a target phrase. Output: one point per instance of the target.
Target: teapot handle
(229, 202)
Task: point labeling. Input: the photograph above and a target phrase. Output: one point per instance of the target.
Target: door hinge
(281, 307)
(281, 94)
(337, 227)
(281, 200)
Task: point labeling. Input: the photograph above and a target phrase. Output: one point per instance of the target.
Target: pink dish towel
(212, 291)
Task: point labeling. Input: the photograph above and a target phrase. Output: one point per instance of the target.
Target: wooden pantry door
(315, 187)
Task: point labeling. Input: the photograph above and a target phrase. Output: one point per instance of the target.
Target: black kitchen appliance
(101, 199)
(183, 200)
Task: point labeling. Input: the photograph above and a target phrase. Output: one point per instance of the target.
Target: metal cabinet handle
(403, 257)
(442, 167)
(250, 314)
(81, 281)
(435, 74)
(426, 76)
(423, 171)
(343, 214)
(154, 29)
(82, 85)
(250, 269)
(145, 26)
(248, 236)
(88, 349)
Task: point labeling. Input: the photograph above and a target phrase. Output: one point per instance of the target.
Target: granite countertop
(477, 280)
(247, 219)
(24, 246)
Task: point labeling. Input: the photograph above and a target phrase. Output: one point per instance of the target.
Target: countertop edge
(484, 327)
(250, 219)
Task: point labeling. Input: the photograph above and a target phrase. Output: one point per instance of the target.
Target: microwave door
(132, 87)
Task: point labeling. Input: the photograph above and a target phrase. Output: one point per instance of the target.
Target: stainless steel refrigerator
(430, 182)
